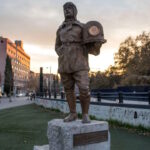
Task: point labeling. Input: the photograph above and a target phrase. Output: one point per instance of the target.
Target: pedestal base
(78, 136)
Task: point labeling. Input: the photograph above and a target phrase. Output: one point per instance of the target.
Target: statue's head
(70, 11)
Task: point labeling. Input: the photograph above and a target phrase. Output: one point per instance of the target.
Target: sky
(35, 22)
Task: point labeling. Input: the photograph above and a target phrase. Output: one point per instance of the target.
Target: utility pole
(41, 81)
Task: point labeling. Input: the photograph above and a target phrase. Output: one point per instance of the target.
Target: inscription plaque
(90, 138)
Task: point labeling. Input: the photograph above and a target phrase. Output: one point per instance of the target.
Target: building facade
(20, 63)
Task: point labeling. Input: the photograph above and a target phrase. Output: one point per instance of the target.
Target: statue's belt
(72, 43)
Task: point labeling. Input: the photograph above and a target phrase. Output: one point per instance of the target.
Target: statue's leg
(85, 102)
(82, 80)
(69, 83)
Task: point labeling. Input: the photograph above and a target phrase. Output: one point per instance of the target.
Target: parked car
(21, 94)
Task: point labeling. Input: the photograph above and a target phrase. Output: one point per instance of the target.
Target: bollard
(55, 95)
(149, 97)
(49, 95)
(62, 95)
(42, 94)
(99, 96)
(120, 95)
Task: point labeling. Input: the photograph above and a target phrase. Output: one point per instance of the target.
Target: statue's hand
(60, 50)
(93, 44)
(97, 45)
(94, 48)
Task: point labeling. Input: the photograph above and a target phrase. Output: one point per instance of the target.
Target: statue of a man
(73, 61)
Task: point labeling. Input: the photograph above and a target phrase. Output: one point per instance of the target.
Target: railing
(123, 96)
(111, 98)
(53, 95)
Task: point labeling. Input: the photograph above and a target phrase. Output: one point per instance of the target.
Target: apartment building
(20, 63)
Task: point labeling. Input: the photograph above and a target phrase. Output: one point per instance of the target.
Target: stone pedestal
(78, 136)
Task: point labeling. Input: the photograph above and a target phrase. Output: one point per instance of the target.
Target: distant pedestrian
(34, 95)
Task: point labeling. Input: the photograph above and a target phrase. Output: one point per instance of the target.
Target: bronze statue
(74, 41)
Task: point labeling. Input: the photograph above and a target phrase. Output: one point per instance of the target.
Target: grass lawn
(23, 127)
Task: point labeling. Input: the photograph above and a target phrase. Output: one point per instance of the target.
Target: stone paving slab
(44, 147)
(15, 101)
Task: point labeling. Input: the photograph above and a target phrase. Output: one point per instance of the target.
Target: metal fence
(123, 96)
(117, 98)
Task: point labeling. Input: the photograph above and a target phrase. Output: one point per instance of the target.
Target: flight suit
(73, 63)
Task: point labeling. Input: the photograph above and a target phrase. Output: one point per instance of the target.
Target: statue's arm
(58, 44)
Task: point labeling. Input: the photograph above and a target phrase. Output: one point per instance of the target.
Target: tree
(33, 83)
(113, 76)
(132, 60)
(41, 81)
(131, 65)
(124, 55)
(99, 80)
(8, 82)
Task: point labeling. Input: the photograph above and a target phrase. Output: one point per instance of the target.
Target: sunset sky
(35, 23)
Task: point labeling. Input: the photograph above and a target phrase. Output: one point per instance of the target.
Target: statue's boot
(85, 102)
(71, 99)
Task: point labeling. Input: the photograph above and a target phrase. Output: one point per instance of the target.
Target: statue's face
(68, 12)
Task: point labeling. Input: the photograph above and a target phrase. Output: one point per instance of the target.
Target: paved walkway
(16, 101)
